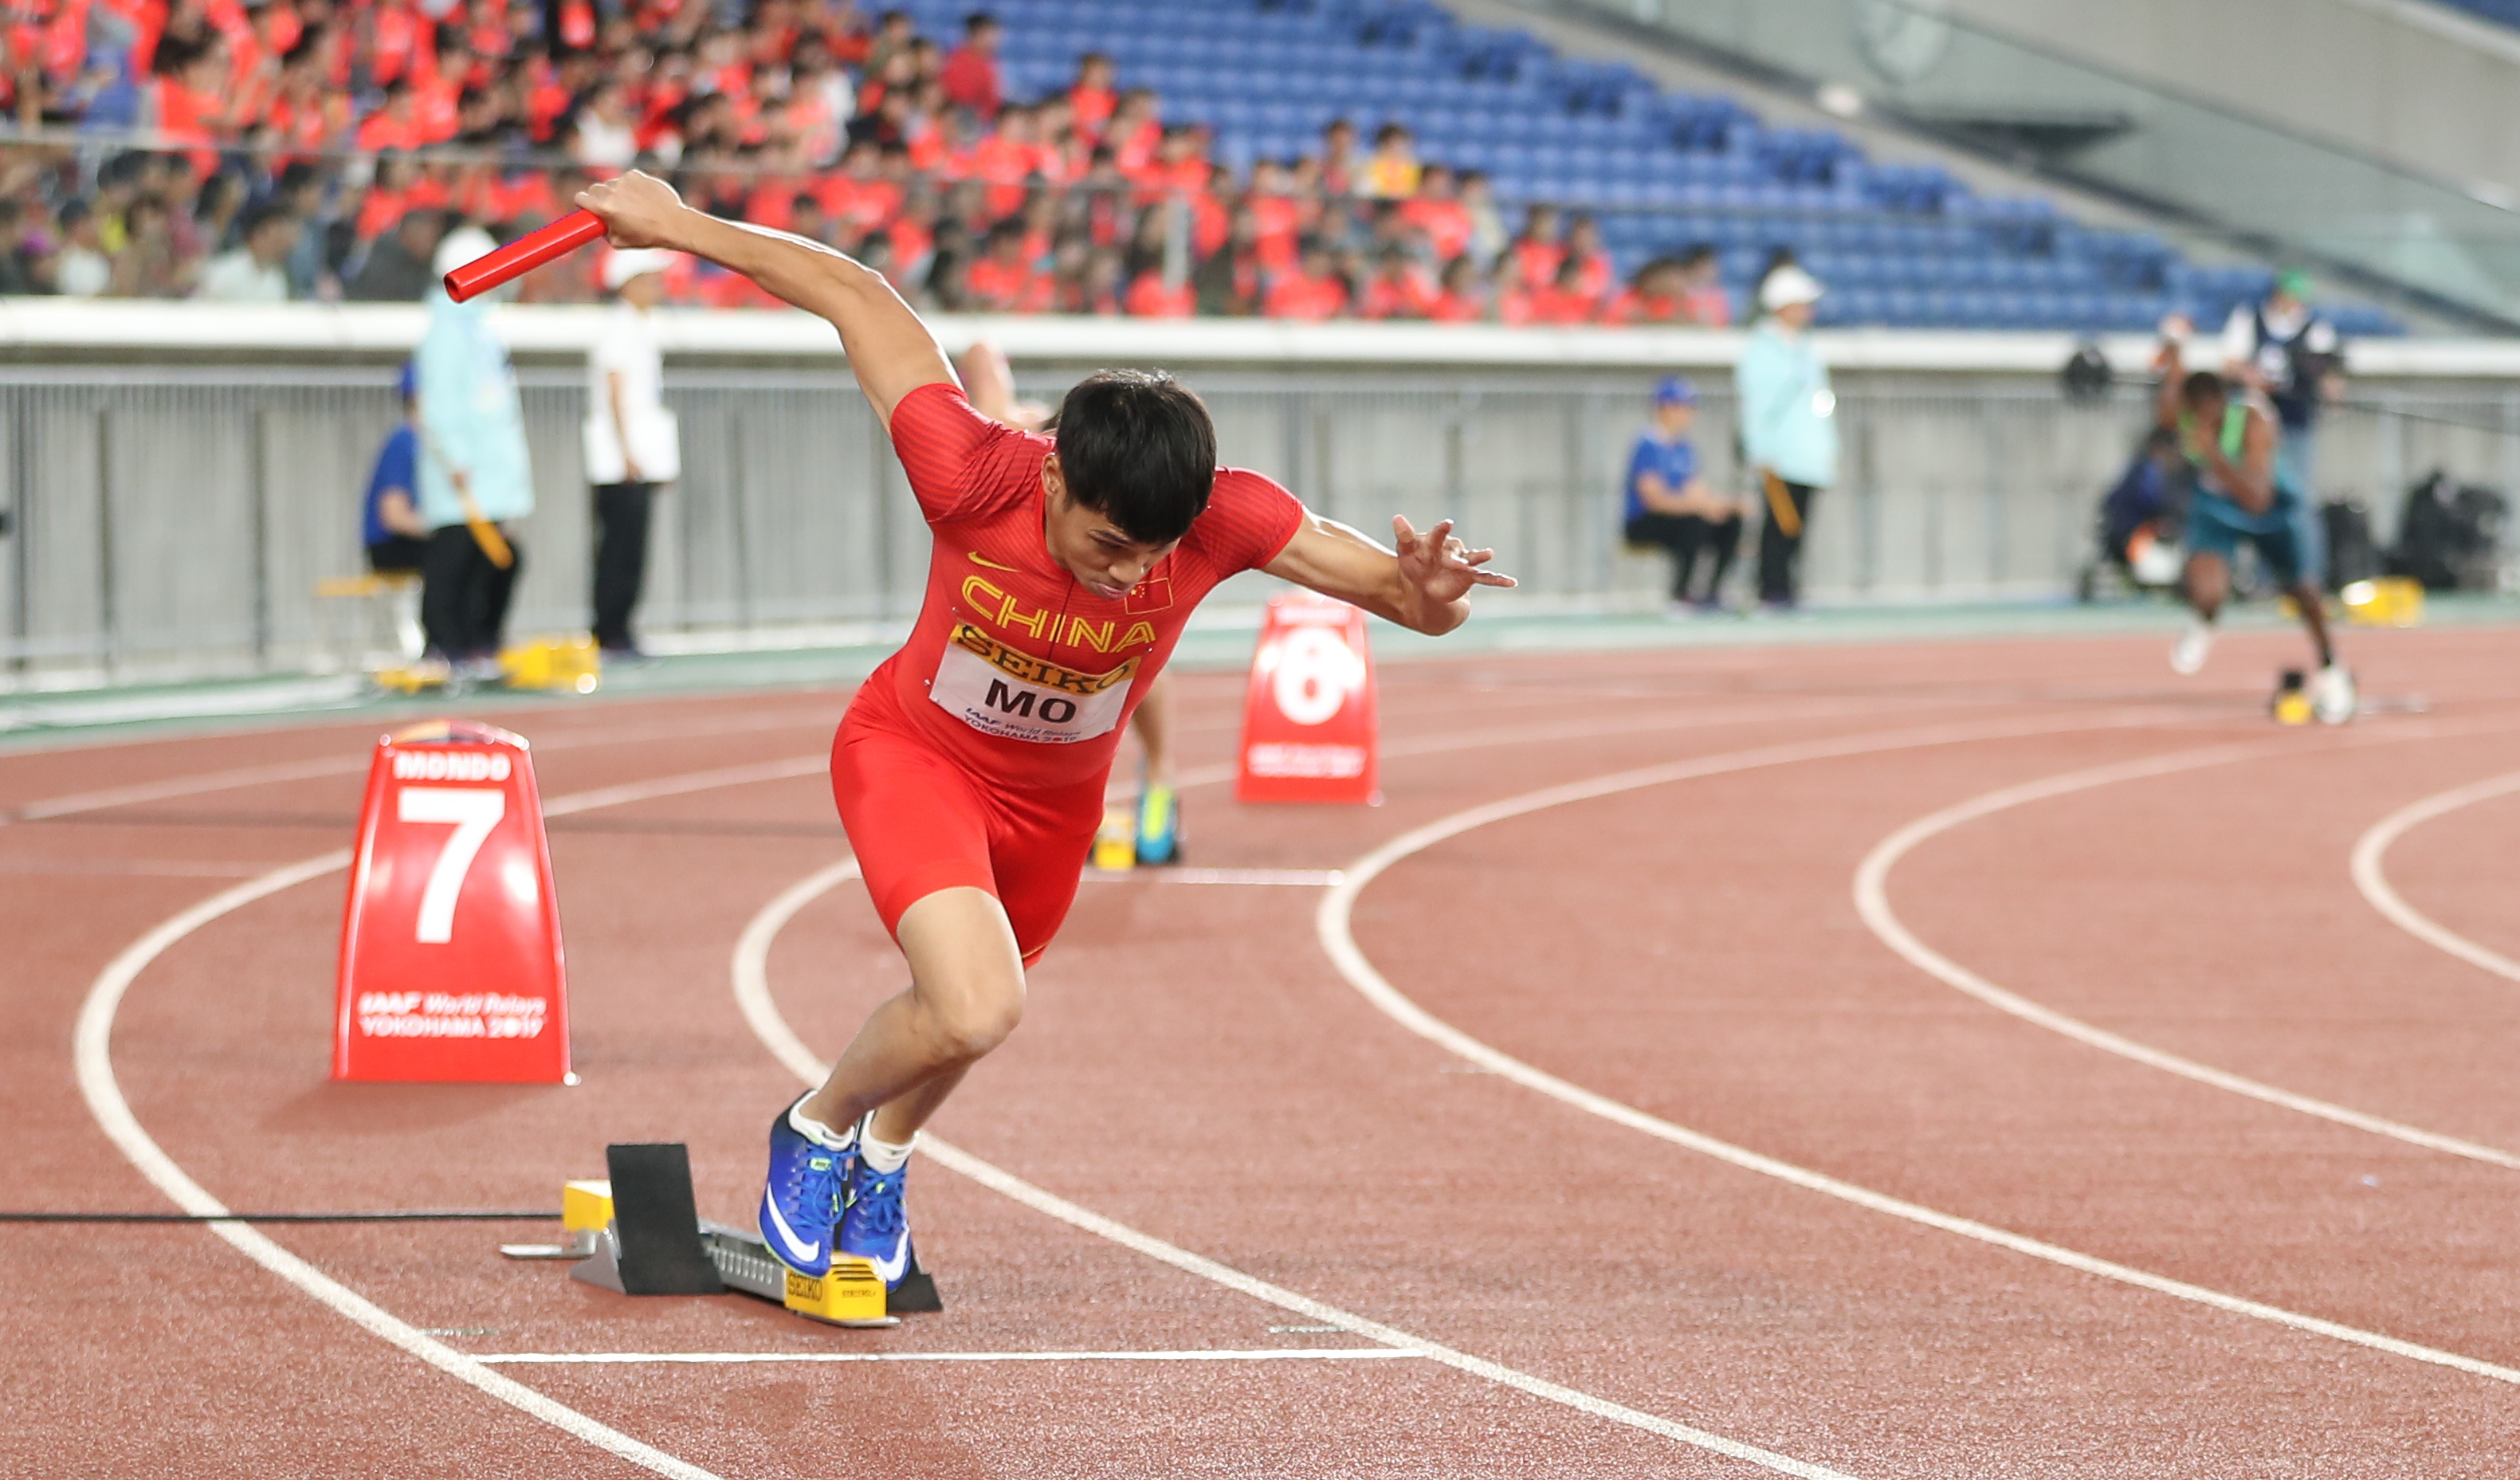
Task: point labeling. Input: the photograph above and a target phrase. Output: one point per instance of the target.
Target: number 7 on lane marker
(475, 811)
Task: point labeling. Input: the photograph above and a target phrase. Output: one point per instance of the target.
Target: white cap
(635, 263)
(1788, 286)
(461, 246)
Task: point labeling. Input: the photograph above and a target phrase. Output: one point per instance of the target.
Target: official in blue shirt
(390, 528)
(1668, 503)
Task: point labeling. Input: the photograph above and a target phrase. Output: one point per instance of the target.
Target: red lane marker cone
(451, 965)
(1308, 719)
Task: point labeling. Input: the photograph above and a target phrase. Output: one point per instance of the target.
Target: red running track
(2196, 1282)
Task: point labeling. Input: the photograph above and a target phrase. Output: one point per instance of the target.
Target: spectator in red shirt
(1437, 212)
(1092, 97)
(1134, 133)
(1566, 300)
(1464, 296)
(1398, 288)
(1536, 253)
(1005, 159)
(1313, 291)
(1584, 248)
(971, 75)
(1651, 296)
(395, 126)
(1155, 296)
(1702, 297)
(859, 198)
(1004, 280)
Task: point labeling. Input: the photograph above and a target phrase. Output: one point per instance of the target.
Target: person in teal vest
(1789, 420)
(477, 482)
(2230, 437)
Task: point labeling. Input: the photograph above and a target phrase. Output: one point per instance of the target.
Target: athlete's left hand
(1438, 567)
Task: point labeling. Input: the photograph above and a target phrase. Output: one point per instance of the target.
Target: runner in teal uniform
(2231, 439)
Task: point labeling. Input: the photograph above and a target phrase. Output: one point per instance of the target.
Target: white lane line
(74, 803)
(1336, 922)
(93, 1054)
(1155, 873)
(2371, 852)
(747, 1358)
(93, 1057)
(751, 973)
(1873, 903)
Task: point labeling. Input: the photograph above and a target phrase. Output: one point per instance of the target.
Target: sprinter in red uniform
(969, 770)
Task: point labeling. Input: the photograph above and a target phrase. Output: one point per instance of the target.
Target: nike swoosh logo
(804, 1251)
(978, 558)
(889, 1270)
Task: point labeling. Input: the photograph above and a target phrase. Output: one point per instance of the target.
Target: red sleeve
(961, 464)
(1249, 518)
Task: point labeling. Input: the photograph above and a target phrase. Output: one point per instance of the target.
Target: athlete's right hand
(637, 209)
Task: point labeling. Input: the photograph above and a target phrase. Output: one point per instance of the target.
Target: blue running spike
(875, 1228)
(802, 1199)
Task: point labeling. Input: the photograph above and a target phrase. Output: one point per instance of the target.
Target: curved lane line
(1336, 924)
(1872, 902)
(93, 1054)
(200, 782)
(752, 975)
(2370, 851)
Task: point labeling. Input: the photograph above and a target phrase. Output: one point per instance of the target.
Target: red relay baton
(523, 254)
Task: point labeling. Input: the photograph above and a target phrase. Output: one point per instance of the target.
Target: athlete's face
(1091, 548)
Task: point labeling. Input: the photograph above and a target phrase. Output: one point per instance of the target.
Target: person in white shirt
(256, 269)
(81, 269)
(630, 444)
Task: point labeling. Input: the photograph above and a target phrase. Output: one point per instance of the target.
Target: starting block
(558, 664)
(641, 1234)
(2392, 601)
(2291, 703)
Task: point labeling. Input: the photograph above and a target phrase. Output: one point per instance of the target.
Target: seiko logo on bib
(999, 691)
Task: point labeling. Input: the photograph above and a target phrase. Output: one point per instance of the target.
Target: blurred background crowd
(320, 149)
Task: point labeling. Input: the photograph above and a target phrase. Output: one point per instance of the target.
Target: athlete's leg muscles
(2207, 583)
(2313, 602)
(965, 995)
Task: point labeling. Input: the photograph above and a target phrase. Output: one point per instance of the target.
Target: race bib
(1013, 695)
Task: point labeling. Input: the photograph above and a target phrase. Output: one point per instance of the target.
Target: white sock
(884, 1155)
(817, 1133)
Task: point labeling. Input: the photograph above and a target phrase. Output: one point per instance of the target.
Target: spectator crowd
(321, 149)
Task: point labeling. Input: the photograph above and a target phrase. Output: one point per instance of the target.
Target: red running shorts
(920, 822)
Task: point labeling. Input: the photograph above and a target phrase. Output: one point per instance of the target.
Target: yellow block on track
(849, 1295)
(585, 1205)
(2392, 601)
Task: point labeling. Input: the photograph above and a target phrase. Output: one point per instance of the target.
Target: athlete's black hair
(1137, 448)
(2201, 386)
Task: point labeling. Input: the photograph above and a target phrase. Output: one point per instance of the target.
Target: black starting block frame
(658, 1244)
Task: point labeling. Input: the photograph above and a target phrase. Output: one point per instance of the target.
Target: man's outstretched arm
(1424, 586)
(890, 352)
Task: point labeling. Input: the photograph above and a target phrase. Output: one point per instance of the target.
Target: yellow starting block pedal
(568, 664)
(2292, 698)
(585, 1210)
(640, 1235)
(1115, 843)
(851, 1294)
(2392, 601)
